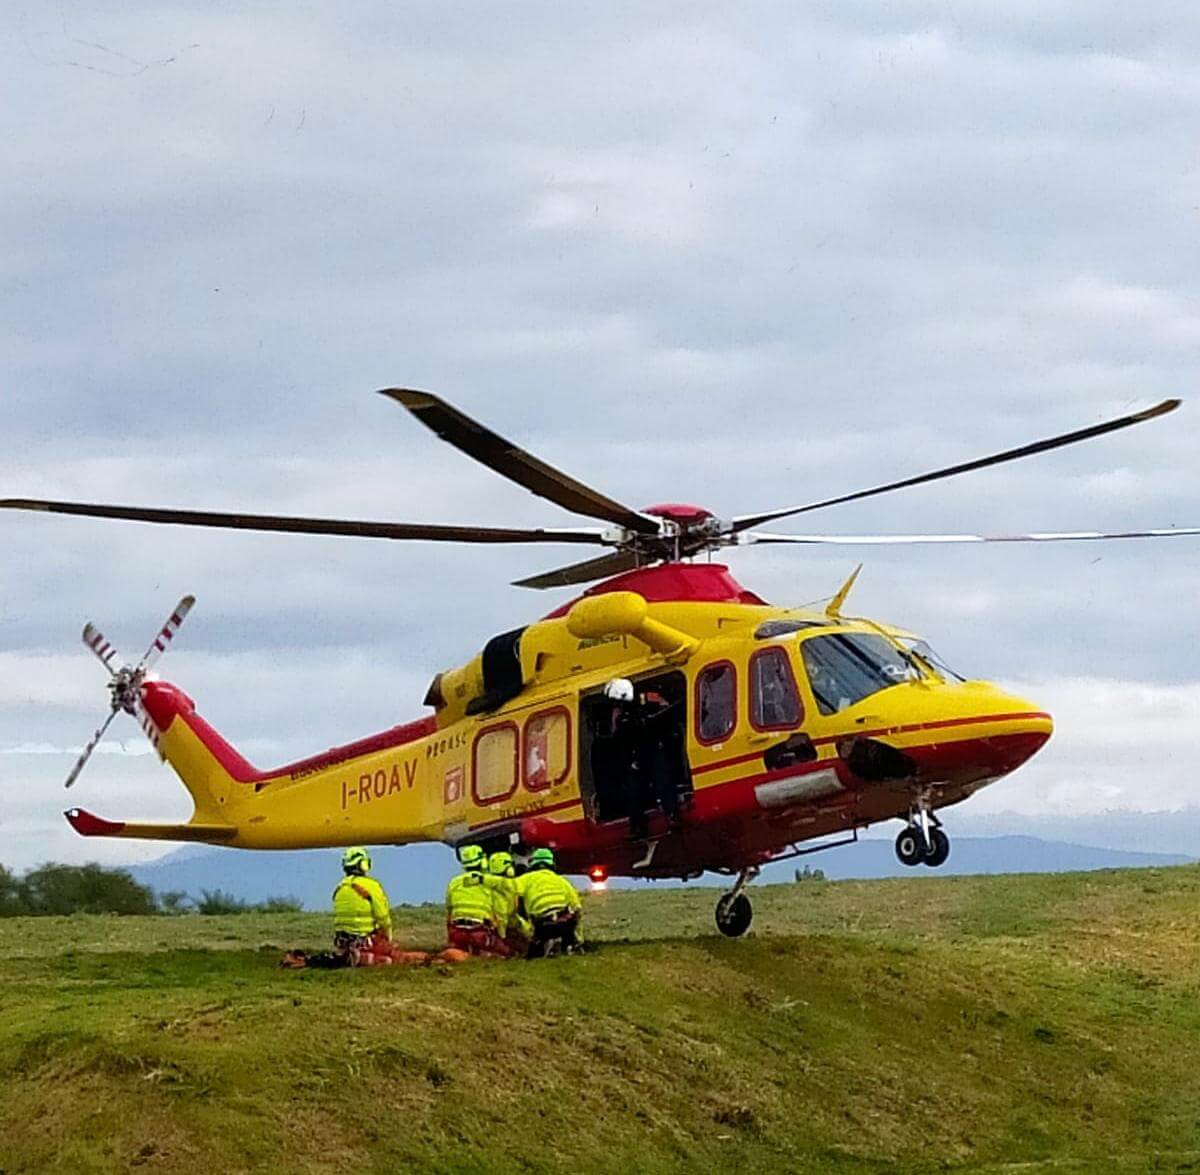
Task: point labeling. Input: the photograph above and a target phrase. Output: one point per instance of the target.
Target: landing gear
(923, 842)
(909, 848)
(734, 912)
(939, 849)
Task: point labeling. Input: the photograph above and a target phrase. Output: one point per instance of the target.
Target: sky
(744, 256)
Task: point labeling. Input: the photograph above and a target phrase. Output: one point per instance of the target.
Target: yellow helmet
(472, 857)
(501, 864)
(356, 860)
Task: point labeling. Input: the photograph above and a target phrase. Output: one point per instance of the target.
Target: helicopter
(771, 732)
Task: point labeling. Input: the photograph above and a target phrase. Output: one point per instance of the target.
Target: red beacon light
(598, 876)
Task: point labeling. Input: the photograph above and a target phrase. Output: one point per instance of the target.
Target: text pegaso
(379, 784)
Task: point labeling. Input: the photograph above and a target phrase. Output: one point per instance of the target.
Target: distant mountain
(418, 873)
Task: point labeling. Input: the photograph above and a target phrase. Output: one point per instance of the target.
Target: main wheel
(734, 914)
(909, 848)
(939, 850)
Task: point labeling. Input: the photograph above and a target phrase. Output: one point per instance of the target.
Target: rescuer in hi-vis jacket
(475, 909)
(552, 904)
(512, 926)
(362, 918)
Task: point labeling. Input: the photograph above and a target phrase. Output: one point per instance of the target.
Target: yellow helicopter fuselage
(776, 746)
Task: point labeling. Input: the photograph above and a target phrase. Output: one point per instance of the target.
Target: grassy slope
(927, 1023)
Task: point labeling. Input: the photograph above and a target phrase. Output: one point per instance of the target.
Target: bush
(82, 889)
(809, 874)
(217, 901)
(174, 901)
(12, 900)
(92, 889)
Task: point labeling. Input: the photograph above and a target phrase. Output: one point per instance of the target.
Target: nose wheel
(734, 911)
(923, 842)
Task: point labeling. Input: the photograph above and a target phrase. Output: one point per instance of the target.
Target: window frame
(697, 730)
(524, 750)
(773, 651)
(516, 776)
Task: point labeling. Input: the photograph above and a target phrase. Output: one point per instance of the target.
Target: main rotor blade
(889, 540)
(271, 522)
(745, 521)
(87, 751)
(167, 632)
(600, 568)
(513, 462)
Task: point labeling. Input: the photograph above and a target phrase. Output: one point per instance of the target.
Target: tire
(734, 915)
(909, 848)
(940, 849)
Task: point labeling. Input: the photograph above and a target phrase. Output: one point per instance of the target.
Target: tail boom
(318, 801)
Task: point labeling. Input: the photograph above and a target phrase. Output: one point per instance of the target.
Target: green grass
(1045, 1023)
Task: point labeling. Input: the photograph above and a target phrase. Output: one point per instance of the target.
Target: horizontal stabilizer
(87, 824)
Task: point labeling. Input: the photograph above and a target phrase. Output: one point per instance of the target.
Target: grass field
(1003, 1023)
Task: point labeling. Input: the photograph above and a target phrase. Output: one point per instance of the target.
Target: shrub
(173, 901)
(217, 901)
(809, 874)
(84, 889)
(12, 900)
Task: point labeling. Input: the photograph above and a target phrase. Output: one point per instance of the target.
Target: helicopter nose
(994, 734)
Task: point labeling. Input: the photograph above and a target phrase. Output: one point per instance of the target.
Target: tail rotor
(125, 681)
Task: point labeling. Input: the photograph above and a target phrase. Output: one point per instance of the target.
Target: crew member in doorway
(362, 918)
(511, 926)
(661, 754)
(649, 753)
(552, 904)
(473, 907)
(625, 740)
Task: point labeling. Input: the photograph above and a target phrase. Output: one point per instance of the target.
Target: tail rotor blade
(100, 645)
(87, 751)
(167, 633)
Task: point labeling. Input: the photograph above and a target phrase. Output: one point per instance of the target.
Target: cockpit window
(846, 667)
(930, 657)
(774, 700)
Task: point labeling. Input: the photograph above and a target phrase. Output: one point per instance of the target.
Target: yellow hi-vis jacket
(543, 890)
(507, 900)
(471, 896)
(360, 906)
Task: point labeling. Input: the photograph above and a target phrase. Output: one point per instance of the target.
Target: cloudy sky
(742, 256)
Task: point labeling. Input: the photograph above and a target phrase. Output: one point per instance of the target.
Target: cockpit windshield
(927, 654)
(845, 667)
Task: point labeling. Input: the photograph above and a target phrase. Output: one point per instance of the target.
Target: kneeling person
(473, 907)
(552, 904)
(512, 927)
(362, 918)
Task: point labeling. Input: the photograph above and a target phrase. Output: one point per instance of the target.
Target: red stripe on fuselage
(826, 740)
(725, 818)
(164, 702)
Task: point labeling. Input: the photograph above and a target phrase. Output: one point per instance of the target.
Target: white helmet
(620, 689)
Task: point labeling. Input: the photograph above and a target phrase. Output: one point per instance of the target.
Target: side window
(547, 756)
(716, 702)
(494, 764)
(774, 700)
